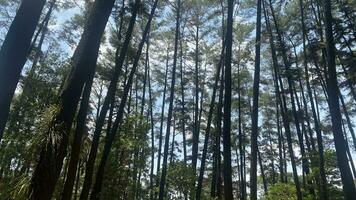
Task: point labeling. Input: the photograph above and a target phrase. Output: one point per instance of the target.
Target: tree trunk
(282, 102)
(152, 123)
(84, 60)
(170, 108)
(111, 136)
(227, 106)
(77, 141)
(334, 107)
(162, 117)
(254, 131)
(323, 184)
(14, 51)
(208, 126)
(196, 104)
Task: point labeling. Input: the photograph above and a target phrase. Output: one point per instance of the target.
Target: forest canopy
(177, 99)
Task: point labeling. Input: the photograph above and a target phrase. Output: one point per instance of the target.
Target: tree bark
(170, 108)
(50, 162)
(120, 113)
(254, 131)
(227, 106)
(334, 107)
(14, 51)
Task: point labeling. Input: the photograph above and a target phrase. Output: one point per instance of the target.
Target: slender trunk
(170, 108)
(162, 116)
(280, 145)
(77, 141)
(171, 160)
(208, 126)
(254, 131)
(109, 99)
(264, 180)
(282, 102)
(349, 124)
(151, 122)
(183, 99)
(196, 104)
(111, 136)
(323, 184)
(348, 152)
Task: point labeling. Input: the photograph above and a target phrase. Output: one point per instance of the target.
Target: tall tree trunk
(151, 121)
(120, 113)
(254, 131)
(349, 124)
(264, 180)
(170, 108)
(241, 137)
(162, 117)
(217, 181)
(305, 166)
(183, 98)
(109, 99)
(282, 102)
(196, 104)
(227, 106)
(323, 184)
(77, 141)
(84, 60)
(334, 107)
(208, 126)
(14, 51)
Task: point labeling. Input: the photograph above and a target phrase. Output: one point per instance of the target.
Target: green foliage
(180, 178)
(281, 191)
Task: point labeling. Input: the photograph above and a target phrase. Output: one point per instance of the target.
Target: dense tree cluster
(177, 99)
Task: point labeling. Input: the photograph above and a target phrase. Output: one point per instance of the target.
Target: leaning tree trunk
(109, 99)
(334, 107)
(120, 113)
(14, 51)
(323, 184)
(50, 162)
(282, 102)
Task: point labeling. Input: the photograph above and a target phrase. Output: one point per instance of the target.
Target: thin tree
(109, 99)
(208, 126)
(120, 113)
(256, 82)
(170, 108)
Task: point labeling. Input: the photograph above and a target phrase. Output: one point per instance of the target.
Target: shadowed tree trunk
(120, 113)
(323, 183)
(50, 162)
(14, 51)
(254, 131)
(109, 99)
(170, 108)
(208, 126)
(227, 106)
(162, 117)
(334, 107)
(283, 109)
